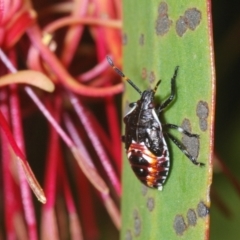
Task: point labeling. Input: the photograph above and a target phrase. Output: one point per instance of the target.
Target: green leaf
(182, 38)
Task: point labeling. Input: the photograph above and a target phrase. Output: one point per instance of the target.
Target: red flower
(73, 38)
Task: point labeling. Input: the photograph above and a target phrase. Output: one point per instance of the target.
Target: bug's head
(147, 97)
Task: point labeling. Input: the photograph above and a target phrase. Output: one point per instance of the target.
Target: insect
(145, 144)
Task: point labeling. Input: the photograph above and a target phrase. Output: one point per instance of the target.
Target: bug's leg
(173, 92)
(181, 130)
(183, 149)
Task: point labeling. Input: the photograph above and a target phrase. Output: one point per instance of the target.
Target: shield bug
(144, 138)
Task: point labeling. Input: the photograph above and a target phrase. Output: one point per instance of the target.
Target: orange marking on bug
(146, 154)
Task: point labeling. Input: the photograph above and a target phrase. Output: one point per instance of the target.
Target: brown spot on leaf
(186, 125)
(151, 77)
(193, 18)
(150, 203)
(202, 112)
(144, 73)
(191, 217)
(137, 223)
(163, 23)
(128, 235)
(141, 40)
(124, 39)
(202, 210)
(181, 26)
(179, 225)
(202, 109)
(162, 8)
(191, 143)
(190, 20)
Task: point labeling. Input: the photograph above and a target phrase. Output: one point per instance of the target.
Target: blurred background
(226, 31)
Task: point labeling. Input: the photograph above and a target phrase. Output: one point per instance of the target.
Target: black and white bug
(145, 144)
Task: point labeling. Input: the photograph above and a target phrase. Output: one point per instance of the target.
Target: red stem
(94, 72)
(74, 33)
(6, 129)
(114, 127)
(87, 207)
(24, 187)
(83, 116)
(63, 76)
(53, 155)
(11, 196)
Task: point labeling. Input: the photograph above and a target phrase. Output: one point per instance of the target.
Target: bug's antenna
(119, 72)
(155, 89)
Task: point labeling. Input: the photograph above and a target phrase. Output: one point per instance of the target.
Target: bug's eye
(151, 105)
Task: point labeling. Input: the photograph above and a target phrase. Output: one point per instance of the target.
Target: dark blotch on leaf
(203, 124)
(186, 125)
(124, 39)
(179, 225)
(128, 235)
(150, 203)
(163, 23)
(151, 77)
(162, 8)
(181, 26)
(202, 112)
(193, 18)
(191, 143)
(137, 223)
(191, 217)
(141, 40)
(202, 109)
(202, 210)
(144, 73)
(190, 20)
